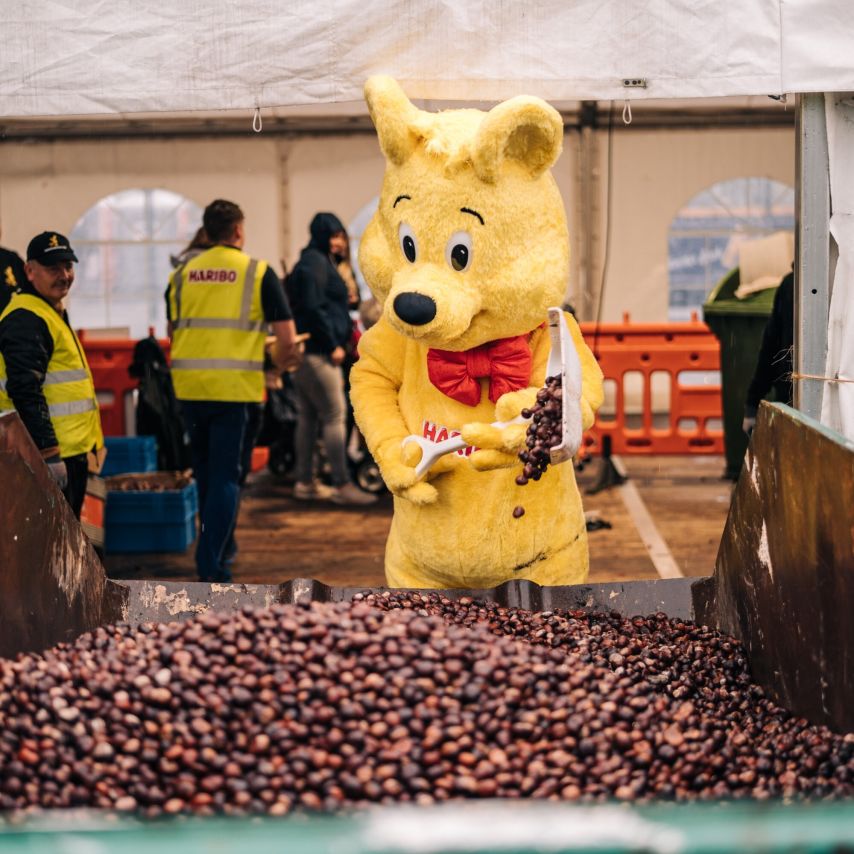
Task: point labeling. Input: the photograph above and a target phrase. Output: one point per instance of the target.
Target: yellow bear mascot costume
(467, 251)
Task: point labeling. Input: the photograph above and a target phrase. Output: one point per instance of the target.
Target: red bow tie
(507, 363)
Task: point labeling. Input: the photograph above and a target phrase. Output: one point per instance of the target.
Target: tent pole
(283, 149)
(588, 185)
(812, 245)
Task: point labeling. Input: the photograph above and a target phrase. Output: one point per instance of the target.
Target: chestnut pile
(394, 698)
(155, 481)
(544, 432)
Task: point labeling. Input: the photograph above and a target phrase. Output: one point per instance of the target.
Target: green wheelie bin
(738, 325)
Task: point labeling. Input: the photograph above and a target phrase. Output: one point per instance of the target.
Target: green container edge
(512, 827)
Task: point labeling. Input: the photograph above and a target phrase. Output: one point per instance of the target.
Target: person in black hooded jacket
(774, 363)
(320, 296)
(319, 301)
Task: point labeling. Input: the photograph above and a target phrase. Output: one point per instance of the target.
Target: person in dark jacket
(158, 412)
(12, 274)
(774, 364)
(320, 303)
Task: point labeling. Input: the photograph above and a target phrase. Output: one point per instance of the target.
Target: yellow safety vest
(68, 387)
(218, 327)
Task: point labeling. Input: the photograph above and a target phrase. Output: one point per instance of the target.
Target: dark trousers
(78, 473)
(254, 419)
(216, 436)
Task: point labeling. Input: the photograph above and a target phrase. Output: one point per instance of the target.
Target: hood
(322, 227)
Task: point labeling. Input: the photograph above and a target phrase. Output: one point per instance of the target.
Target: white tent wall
(654, 174)
(281, 182)
(51, 185)
(340, 174)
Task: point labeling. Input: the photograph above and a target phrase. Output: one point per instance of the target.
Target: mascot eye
(458, 251)
(407, 242)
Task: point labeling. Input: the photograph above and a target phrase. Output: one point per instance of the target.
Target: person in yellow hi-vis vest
(43, 370)
(220, 304)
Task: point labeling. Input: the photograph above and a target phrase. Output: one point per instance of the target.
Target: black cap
(50, 247)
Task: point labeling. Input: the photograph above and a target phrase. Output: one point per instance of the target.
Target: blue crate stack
(129, 454)
(147, 521)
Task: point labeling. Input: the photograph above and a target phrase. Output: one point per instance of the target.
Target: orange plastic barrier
(92, 511)
(662, 388)
(661, 396)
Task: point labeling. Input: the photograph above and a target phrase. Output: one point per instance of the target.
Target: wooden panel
(51, 583)
(785, 569)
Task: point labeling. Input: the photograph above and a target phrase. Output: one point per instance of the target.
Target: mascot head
(469, 243)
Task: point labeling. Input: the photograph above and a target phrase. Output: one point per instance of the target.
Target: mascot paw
(411, 456)
(510, 439)
(510, 405)
(397, 465)
(397, 473)
(420, 494)
(491, 460)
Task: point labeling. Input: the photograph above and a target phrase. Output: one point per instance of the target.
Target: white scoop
(563, 361)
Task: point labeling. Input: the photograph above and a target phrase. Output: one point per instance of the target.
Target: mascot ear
(524, 129)
(392, 114)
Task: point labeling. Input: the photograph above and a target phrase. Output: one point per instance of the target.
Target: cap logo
(54, 241)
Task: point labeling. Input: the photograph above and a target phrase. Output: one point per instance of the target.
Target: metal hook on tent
(257, 124)
(627, 112)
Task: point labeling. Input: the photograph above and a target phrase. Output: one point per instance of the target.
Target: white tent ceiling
(90, 57)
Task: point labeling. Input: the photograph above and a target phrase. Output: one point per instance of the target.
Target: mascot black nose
(414, 308)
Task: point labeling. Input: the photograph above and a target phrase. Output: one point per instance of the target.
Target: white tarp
(837, 409)
(84, 57)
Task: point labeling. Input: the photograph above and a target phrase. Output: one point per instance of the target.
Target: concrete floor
(281, 538)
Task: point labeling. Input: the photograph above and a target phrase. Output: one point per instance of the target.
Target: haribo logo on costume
(466, 252)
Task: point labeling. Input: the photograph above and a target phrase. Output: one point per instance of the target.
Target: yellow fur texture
(480, 180)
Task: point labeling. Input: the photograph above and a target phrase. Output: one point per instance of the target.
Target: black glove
(58, 471)
(749, 421)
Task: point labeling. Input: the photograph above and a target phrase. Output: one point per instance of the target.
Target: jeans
(216, 435)
(254, 420)
(320, 400)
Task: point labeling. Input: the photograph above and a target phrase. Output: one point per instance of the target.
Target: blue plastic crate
(147, 521)
(129, 454)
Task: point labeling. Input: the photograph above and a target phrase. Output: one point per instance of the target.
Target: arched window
(124, 243)
(355, 230)
(704, 235)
